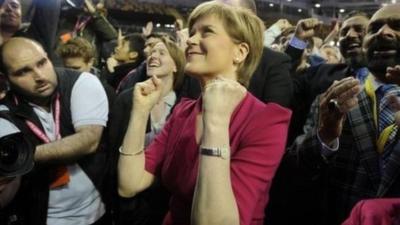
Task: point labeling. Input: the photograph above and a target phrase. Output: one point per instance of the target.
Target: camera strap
(61, 176)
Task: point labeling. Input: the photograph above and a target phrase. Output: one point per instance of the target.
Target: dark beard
(38, 100)
(357, 61)
(378, 64)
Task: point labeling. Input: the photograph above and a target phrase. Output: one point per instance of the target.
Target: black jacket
(271, 81)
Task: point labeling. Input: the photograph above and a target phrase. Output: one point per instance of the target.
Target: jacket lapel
(391, 172)
(363, 128)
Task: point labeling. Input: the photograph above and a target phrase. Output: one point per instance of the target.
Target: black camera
(16, 155)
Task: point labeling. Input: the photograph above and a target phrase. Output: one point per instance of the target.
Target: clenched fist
(146, 94)
(220, 98)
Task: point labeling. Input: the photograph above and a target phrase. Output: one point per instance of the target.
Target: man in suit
(292, 191)
(317, 79)
(348, 146)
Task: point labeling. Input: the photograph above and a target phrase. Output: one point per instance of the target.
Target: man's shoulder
(272, 55)
(326, 71)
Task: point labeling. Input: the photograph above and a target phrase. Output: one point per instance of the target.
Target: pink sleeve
(375, 212)
(256, 160)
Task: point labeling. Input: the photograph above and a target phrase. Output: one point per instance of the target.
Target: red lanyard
(37, 131)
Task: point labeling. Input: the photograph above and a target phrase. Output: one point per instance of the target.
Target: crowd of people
(222, 121)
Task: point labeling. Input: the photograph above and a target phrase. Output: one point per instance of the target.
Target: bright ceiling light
(299, 10)
(317, 5)
(271, 5)
(342, 10)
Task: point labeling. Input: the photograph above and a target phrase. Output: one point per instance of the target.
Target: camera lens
(16, 155)
(8, 156)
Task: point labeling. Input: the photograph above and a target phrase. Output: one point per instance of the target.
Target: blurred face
(382, 41)
(30, 72)
(11, 14)
(149, 44)
(122, 51)
(78, 63)
(211, 51)
(351, 37)
(160, 62)
(330, 54)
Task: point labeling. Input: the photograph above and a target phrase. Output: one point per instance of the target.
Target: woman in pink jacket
(217, 155)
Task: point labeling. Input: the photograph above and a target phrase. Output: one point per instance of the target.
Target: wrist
(140, 112)
(214, 121)
(326, 136)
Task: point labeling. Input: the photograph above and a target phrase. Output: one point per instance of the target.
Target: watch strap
(215, 151)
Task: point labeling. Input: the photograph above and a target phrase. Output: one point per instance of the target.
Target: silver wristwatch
(221, 152)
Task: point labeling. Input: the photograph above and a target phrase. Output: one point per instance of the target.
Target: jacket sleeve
(103, 28)
(44, 24)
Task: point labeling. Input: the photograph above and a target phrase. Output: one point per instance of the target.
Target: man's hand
(89, 6)
(283, 24)
(111, 64)
(344, 92)
(306, 28)
(393, 74)
(148, 29)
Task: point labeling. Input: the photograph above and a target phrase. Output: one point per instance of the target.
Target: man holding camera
(46, 104)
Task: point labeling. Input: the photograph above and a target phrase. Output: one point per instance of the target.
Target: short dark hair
(136, 43)
(77, 47)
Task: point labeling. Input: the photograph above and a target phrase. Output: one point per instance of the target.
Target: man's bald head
(29, 71)
(15, 48)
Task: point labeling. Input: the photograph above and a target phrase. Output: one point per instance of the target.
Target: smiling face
(351, 37)
(160, 62)
(382, 42)
(210, 52)
(11, 14)
(29, 71)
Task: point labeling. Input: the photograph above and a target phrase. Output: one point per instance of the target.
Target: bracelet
(121, 152)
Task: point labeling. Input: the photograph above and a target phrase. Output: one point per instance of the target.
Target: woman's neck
(168, 84)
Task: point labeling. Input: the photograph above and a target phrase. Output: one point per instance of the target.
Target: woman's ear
(175, 69)
(241, 53)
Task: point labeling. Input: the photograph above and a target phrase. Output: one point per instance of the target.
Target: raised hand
(344, 92)
(393, 74)
(148, 29)
(220, 98)
(306, 28)
(89, 6)
(283, 24)
(146, 94)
